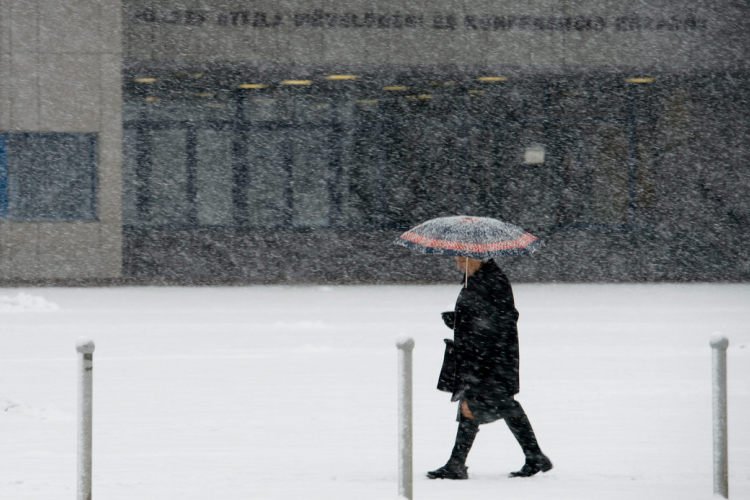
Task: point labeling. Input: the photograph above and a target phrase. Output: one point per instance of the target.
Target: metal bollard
(405, 470)
(719, 346)
(85, 348)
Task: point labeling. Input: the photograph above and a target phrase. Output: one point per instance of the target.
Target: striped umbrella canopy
(474, 237)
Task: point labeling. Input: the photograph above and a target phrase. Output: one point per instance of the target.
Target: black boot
(456, 466)
(536, 461)
(451, 470)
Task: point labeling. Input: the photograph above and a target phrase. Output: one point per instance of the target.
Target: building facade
(293, 141)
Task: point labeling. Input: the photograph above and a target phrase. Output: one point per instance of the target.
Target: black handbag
(449, 318)
(446, 381)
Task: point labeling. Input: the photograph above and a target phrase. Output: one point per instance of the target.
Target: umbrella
(473, 237)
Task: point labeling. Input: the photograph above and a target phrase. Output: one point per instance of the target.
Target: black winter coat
(486, 339)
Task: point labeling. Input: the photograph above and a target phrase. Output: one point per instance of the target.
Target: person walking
(485, 374)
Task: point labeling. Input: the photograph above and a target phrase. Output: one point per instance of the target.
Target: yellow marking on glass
(296, 82)
(492, 79)
(641, 80)
(198, 75)
(367, 101)
(203, 94)
(342, 77)
(152, 99)
(476, 92)
(424, 96)
(145, 80)
(396, 87)
(252, 86)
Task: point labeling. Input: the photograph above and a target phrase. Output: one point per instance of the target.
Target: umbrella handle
(466, 274)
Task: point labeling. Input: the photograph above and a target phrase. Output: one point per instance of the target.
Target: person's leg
(456, 466)
(536, 461)
(467, 431)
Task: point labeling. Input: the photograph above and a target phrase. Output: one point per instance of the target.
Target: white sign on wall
(535, 33)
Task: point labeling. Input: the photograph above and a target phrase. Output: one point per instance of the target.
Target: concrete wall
(60, 66)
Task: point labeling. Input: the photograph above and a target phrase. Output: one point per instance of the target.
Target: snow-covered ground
(290, 392)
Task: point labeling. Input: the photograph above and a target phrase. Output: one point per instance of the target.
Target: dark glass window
(47, 176)
(213, 178)
(267, 177)
(387, 150)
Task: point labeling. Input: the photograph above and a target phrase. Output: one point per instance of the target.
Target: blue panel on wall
(47, 176)
(3, 178)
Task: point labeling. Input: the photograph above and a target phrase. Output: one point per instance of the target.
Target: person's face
(460, 263)
(473, 267)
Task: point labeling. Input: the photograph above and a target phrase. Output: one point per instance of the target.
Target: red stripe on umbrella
(520, 242)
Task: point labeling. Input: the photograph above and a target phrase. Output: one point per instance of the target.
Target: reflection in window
(595, 168)
(267, 178)
(130, 184)
(310, 178)
(214, 178)
(645, 159)
(608, 153)
(168, 182)
(264, 110)
(529, 193)
(425, 171)
(365, 165)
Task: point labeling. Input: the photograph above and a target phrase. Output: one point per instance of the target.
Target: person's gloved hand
(449, 318)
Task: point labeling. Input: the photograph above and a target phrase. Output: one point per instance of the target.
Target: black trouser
(518, 423)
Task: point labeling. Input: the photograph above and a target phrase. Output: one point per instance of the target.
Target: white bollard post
(405, 472)
(719, 346)
(85, 348)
